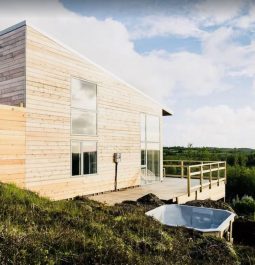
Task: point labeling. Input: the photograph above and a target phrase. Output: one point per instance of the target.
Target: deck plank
(168, 189)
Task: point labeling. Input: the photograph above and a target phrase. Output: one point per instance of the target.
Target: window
(76, 159)
(153, 158)
(84, 158)
(150, 144)
(84, 107)
(152, 128)
(143, 154)
(89, 152)
(83, 122)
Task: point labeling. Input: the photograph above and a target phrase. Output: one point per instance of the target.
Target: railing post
(218, 174)
(182, 169)
(201, 178)
(225, 172)
(210, 177)
(188, 180)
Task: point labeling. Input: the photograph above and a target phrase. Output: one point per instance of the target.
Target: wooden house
(67, 126)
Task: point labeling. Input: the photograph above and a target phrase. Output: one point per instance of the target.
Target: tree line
(240, 165)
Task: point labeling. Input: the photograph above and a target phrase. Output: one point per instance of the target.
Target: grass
(246, 254)
(35, 230)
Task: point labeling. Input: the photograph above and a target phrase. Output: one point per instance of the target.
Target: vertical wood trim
(201, 178)
(188, 181)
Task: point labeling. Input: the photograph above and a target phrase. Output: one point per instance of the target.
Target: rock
(150, 199)
(131, 202)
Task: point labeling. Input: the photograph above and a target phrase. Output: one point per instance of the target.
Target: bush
(241, 181)
(245, 206)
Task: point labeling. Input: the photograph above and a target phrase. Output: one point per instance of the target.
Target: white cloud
(151, 26)
(247, 21)
(108, 43)
(225, 53)
(253, 86)
(216, 126)
(216, 12)
(14, 9)
(159, 73)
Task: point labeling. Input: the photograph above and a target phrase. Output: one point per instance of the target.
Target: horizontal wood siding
(12, 145)
(49, 70)
(12, 67)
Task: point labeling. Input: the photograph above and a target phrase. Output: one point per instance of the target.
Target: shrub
(245, 206)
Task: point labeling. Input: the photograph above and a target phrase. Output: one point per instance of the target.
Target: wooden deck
(195, 180)
(169, 188)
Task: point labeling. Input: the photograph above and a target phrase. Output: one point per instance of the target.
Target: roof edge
(166, 112)
(12, 28)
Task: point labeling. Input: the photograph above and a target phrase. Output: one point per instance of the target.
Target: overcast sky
(195, 57)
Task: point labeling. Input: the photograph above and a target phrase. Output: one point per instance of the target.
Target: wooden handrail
(199, 171)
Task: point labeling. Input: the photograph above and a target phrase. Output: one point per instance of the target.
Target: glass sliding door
(150, 148)
(153, 159)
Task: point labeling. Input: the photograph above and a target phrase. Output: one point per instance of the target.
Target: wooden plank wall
(12, 145)
(12, 67)
(48, 167)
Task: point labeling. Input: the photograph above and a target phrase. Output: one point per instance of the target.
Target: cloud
(246, 21)
(151, 26)
(161, 74)
(222, 49)
(108, 43)
(216, 126)
(253, 86)
(217, 12)
(14, 9)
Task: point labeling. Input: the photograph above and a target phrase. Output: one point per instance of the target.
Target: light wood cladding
(12, 67)
(12, 145)
(49, 70)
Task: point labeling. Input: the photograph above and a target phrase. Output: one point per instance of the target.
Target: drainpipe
(116, 160)
(116, 176)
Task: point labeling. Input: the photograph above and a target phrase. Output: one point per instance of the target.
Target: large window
(150, 145)
(84, 107)
(76, 159)
(152, 129)
(84, 158)
(153, 158)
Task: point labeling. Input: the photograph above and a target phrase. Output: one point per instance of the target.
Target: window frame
(71, 157)
(82, 161)
(146, 142)
(81, 109)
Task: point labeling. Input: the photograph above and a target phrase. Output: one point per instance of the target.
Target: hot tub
(206, 220)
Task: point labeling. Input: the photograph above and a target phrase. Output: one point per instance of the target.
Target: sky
(195, 57)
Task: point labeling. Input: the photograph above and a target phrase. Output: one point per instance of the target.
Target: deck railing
(212, 171)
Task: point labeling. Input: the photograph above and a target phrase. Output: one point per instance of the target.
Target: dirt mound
(150, 199)
(211, 204)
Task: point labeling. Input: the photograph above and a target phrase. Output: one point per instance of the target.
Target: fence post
(218, 174)
(225, 172)
(201, 178)
(210, 177)
(188, 180)
(182, 169)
